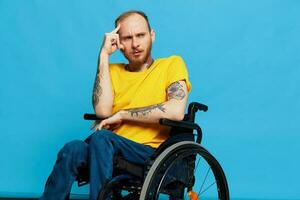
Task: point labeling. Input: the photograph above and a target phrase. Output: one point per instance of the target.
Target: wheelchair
(179, 169)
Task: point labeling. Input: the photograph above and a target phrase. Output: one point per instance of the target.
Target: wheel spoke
(185, 194)
(197, 163)
(208, 179)
(204, 180)
(207, 188)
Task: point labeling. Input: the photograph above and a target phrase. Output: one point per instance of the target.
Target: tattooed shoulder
(176, 91)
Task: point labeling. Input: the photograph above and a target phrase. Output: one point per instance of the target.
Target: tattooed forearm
(97, 90)
(175, 91)
(138, 112)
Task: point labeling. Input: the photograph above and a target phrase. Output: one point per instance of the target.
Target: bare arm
(173, 109)
(102, 93)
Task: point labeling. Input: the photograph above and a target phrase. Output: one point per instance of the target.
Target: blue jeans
(97, 154)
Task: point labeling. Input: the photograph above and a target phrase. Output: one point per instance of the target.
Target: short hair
(129, 13)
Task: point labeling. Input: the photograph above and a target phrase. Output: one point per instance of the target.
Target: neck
(132, 67)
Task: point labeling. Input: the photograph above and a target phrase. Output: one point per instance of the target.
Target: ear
(152, 33)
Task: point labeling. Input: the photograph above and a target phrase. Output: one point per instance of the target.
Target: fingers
(97, 128)
(116, 29)
(121, 46)
(118, 42)
(113, 41)
(100, 126)
(112, 37)
(111, 122)
(103, 127)
(103, 124)
(115, 37)
(115, 126)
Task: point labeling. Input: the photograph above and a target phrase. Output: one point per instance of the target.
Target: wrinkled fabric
(96, 153)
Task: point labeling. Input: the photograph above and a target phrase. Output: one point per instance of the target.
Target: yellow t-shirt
(141, 89)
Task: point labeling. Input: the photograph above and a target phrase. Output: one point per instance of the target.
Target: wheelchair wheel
(185, 171)
(108, 192)
(115, 189)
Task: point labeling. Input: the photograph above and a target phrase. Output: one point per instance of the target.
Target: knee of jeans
(101, 136)
(71, 149)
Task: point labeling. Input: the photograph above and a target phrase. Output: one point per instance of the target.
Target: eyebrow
(125, 36)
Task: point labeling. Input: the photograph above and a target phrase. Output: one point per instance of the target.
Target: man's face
(136, 39)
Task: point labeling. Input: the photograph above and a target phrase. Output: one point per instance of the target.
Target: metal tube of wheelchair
(88, 116)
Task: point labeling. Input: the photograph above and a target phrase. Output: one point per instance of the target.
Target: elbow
(178, 116)
(103, 113)
(175, 111)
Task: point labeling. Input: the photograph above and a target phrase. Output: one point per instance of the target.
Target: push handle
(193, 108)
(88, 116)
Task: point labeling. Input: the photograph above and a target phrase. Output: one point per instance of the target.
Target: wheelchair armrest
(179, 124)
(88, 116)
(183, 124)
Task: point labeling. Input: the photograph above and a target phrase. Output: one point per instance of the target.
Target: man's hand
(103, 96)
(110, 123)
(111, 42)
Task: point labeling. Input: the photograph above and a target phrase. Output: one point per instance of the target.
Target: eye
(127, 38)
(140, 35)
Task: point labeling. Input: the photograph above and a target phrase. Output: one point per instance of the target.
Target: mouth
(137, 53)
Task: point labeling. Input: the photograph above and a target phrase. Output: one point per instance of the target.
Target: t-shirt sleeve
(177, 71)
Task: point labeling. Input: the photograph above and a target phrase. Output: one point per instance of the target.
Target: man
(132, 97)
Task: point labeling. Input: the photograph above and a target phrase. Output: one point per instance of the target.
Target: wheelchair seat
(170, 173)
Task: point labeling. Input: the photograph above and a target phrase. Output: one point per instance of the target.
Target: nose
(135, 43)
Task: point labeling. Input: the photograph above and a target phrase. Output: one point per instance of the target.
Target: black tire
(109, 191)
(114, 189)
(154, 181)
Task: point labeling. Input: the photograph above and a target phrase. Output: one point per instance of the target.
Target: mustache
(137, 50)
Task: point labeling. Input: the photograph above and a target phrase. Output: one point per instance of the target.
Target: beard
(138, 61)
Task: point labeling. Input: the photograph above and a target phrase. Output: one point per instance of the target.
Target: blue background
(243, 61)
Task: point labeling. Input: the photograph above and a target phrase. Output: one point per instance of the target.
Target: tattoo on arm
(97, 91)
(175, 91)
(139, 112)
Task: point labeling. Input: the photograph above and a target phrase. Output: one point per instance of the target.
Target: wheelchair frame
(140, 181)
